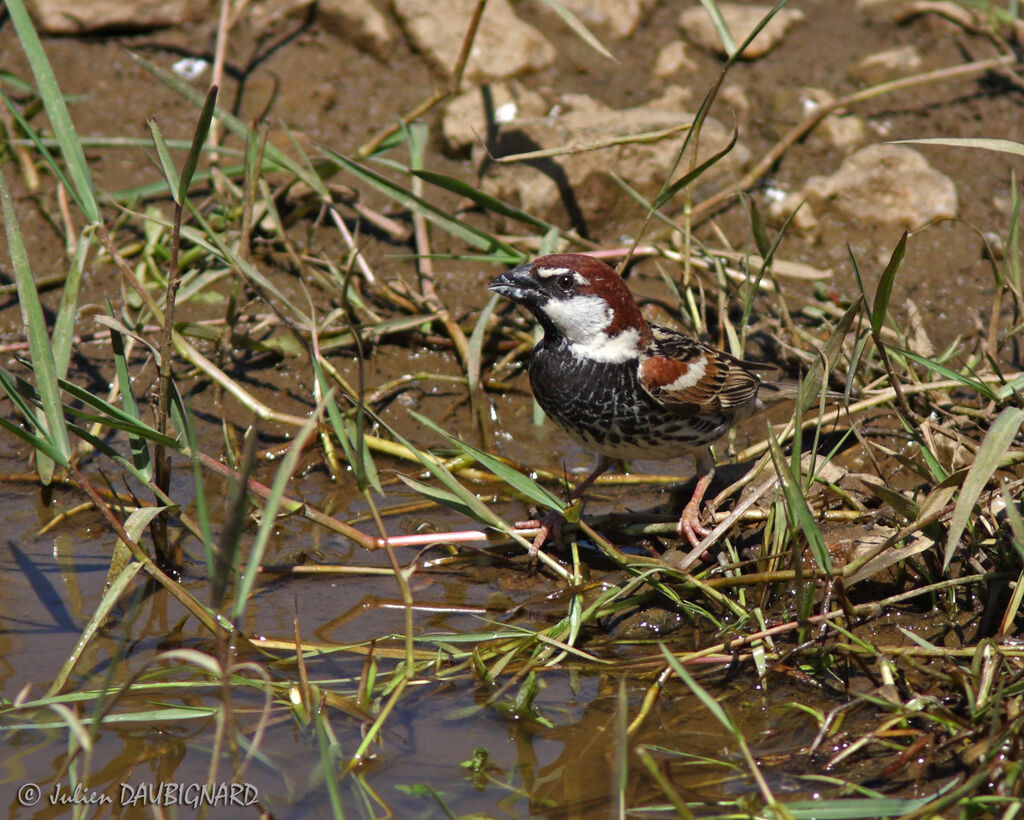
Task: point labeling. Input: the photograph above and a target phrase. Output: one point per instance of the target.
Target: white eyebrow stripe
(551, 273)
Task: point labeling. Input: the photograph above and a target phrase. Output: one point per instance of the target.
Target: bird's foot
(689, 526)
(548, 524)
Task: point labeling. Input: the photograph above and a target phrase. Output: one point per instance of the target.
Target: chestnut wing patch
(689, 377)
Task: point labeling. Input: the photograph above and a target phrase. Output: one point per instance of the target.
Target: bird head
(581, 299)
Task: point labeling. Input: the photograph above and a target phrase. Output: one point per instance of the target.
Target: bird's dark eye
(566, 282)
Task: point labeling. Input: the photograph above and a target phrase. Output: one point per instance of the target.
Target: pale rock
(466, 117)
(741, 20)
(844, 132)
(887, 65)
(358, 22)
(882, 11)
(736, 98)
(266, 13)
(672, 59)
(886, 186)
(579, 182)
(794, 205)
(674, 98)
(902, 11)
(77, 17)
(504, 46)
(621, 17)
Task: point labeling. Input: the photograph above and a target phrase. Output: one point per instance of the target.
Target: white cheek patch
(583, 321)
(581, 318)
(694, 374)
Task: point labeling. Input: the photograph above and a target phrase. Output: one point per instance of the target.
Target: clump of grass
(780, 603)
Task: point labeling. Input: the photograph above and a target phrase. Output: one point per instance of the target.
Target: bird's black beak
(519, 285)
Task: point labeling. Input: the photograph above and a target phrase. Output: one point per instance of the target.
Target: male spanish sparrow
(621, 386)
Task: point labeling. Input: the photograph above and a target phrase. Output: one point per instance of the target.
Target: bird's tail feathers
(788, 390)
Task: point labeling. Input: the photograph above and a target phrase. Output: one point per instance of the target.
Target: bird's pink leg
(689, 526)
(550, 523)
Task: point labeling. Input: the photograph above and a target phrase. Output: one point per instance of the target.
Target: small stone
(843, 132)
(887, 65)
(621, 17)
(672, 60)
(581, 183)
(897, 12)
(782, 206)
(674, 98)
(888, 186)
(504, 47)
(882, 11)
(741, 20)
(358, 22)
(736, 98)
(465, 118)
(76, 17)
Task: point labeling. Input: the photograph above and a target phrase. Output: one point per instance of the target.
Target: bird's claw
(689, 526)
(548, 525)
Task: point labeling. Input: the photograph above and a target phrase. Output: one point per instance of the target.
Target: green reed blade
(81, 188)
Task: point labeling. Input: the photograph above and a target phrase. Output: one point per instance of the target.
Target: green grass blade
(183, 421)
(166, 163)
(883, 293)
(42, 446)
(855, 808)
(1013, 515)
(830, 355)
(1004, 146)
(133, 526)
(723, 718)
(578, 28)
(24, 396)
(40, 144)
(43, 364)
(796, 506)
(198, 138)
(1011, 257)
(474, 236)
(991, 452)
(476, 345)
(113, 416)
(485, 201)
(81, 181)
(349, 432)
(268, 522)
(140, 450)
(209, 239)
(669, 192)
(721, 27)
(445, 498)
(519, 482)
(102, 446)
(978, 386)
(477, 509)
(705, 697)
(67, 312)
(331, 760)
